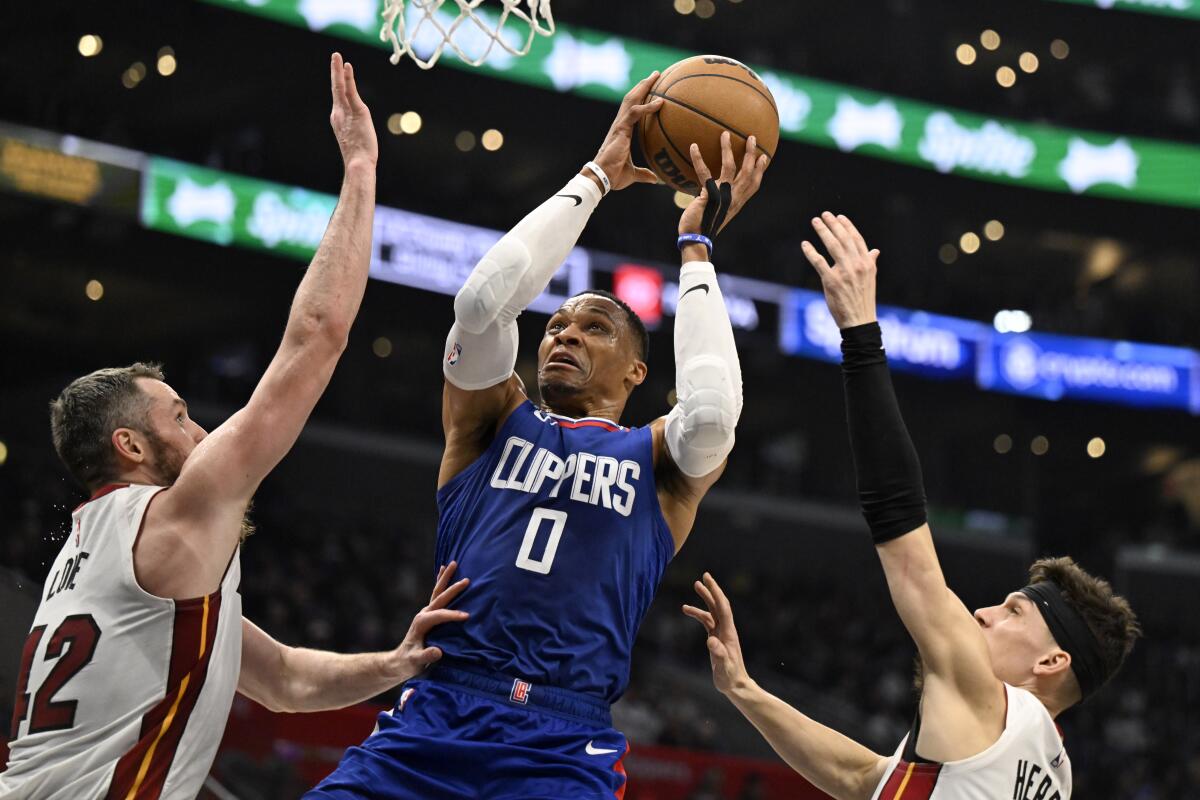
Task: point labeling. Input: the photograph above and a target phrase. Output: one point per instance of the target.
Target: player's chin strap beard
(1072, 634)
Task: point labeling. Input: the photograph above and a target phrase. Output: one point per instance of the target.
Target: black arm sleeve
(890, 488)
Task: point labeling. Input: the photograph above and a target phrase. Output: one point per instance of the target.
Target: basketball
(704, 96)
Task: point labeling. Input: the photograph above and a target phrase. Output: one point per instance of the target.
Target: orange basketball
(703, 96)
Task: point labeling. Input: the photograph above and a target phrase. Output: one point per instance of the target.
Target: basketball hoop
(425, 25)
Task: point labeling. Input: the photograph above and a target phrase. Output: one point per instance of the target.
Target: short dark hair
(635, 322)
(1108, 615)
(84, 415)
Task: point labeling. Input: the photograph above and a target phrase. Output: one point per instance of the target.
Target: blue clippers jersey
(559, 529)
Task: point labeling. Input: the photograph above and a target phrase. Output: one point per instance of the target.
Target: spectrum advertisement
(1038, 365)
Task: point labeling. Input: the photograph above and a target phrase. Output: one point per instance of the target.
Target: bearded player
(992, 683)
(563, 519)
(139, 643)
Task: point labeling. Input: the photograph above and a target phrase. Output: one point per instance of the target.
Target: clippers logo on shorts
(453, 355)
(520, 692)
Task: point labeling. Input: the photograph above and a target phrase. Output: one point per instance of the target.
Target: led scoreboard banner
(407, 248)
(436, 255)
(69, 169)
(851, 119)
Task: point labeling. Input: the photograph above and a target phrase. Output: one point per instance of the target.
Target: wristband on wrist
(599, 173)
(695, 238)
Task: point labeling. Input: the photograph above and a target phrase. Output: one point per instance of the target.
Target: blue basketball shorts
(457, 733)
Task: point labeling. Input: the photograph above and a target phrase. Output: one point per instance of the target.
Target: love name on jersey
(64, 579)
(1030, 787)
(586, 477)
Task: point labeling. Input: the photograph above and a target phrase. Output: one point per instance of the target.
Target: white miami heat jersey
(1027, 762)
(120, 694)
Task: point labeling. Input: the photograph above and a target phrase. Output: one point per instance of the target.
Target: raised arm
(192, 529)
(480, 389)
(693, 441)
(296, 679)
(956, 662)
(835, 764)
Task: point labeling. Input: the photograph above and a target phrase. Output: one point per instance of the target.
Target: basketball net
(427, 25)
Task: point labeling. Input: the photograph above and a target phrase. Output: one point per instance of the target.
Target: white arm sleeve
(708, 376)
(481, 350)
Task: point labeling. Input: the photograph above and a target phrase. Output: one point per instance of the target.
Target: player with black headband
(992, 683)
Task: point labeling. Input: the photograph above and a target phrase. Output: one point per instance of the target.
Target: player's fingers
(429, 655)
(336, 82)
(717, 648)
(428, 620)
(748, 157)
(829, 239)
(447, 596)
(728, 167)
(443, 579)
(707, 596)
(724, 609)
(643, 175)
(874, 254)
(640, 89)
(637, 112)
(816, 259)
(860, 244)
(698, 164)
(760, 166)
(701, 616)
(841, 231)
(352, 87)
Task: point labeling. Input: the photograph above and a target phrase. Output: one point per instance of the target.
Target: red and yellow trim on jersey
(910, 781)
(619, 768)
(141, 773)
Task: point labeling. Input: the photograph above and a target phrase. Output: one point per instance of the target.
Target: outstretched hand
(350, 118)
(724, 650)
(615, 156)
(412, 655)
(850, 283)
(736, 186)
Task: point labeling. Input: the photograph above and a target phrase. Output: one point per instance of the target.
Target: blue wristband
(695, 238)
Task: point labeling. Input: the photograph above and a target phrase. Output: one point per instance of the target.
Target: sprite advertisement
(849, 119)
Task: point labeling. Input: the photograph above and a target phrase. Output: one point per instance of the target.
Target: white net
(423, 29)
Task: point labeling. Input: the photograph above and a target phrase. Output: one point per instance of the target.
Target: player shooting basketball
(563, 519)
(993, 682)
(137, 647)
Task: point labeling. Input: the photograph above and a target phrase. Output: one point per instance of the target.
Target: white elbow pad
(480, 360)
(700, 428)
(492, 286)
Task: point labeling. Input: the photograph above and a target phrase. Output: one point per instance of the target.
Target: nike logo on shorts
(703, 286)
(578, 200)
(597, 751)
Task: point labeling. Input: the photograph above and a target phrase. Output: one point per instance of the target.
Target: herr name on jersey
(1031, 787)
(583, 477)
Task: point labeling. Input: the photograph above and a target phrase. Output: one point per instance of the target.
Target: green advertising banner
(231, 210)
(1172, 8)
(845, 118)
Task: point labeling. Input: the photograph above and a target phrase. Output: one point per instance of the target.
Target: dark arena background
(1030, 171)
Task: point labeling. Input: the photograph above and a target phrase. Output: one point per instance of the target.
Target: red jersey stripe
(590, 423)
(142, 771)
(910, 781)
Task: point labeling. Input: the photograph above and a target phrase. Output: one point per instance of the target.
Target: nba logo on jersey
(520, 692)
(455, 352)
